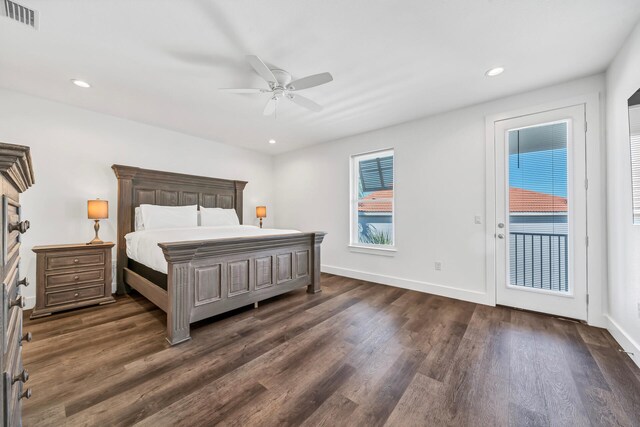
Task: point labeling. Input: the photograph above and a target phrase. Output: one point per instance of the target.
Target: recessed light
(80, 83)
(272, 141)
(494, 72)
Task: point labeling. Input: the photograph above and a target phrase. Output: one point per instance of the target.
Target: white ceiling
(161, 62)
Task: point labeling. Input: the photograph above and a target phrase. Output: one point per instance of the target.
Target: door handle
(500, 236)
(501, 225)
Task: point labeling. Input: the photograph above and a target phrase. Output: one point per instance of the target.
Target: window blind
(634, 137)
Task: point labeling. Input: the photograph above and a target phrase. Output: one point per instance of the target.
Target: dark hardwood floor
(357, 354)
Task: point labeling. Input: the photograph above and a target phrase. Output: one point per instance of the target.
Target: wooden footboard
(210, 277)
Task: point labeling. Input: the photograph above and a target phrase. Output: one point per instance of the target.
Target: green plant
(371, 235)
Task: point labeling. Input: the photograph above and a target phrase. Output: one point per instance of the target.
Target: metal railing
(539, 260)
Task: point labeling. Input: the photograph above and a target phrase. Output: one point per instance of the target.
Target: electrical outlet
(438, 265)
(477, 219)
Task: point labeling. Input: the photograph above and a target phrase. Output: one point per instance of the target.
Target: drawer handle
(22, 377)
(24, 282)
(28, 337)
(76, 260)
(21, 226)
(76, 295)
(26, 394)
(76, 277)
(20, 302)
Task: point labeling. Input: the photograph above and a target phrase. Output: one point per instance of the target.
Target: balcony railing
(539, 260)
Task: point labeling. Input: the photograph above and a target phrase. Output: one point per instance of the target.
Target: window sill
(391, 251)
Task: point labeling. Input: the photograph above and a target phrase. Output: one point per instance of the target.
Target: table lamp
(261, 212)
(97, 210)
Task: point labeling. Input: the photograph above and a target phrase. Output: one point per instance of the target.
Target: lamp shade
(97, 209)
(261, 211)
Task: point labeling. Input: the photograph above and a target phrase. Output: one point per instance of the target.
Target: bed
(211, 271)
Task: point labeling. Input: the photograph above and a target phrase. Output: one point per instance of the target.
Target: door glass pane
(538, 208)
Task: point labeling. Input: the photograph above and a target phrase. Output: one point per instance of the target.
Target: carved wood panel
(167, 198)
(208, 281)
(302, 263)
(225, 201)
(238, 277)
(178, 309)
(264, 272)
(189, 198)
(144, 196)
(208, 200)
(284, 267)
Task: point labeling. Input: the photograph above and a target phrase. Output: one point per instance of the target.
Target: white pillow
(216, 217)
(157, 217)
(139, 223)
(233, 216)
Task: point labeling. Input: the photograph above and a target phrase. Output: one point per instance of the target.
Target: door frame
(596, 225)
(572, 303)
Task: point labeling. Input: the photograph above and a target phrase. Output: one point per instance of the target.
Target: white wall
(73, 150)
(440, 188)
(622, 80)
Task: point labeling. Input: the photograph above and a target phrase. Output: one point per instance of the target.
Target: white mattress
(142, 246)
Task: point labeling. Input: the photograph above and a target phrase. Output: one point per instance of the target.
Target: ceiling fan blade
(240, 90)
(305, 102)
(310, 81)
(261, 69)
(270, 108)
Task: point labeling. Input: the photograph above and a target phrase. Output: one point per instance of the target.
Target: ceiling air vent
(20, 13)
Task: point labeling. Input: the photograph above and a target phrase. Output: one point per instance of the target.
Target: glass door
(540, 212)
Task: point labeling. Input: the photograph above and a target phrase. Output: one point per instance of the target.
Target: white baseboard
(626, 342)
(414, 285)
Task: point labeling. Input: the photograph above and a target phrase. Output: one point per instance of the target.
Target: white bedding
(142, 246)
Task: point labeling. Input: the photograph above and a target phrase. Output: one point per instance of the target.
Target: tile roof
(377, 206)
(521, 200)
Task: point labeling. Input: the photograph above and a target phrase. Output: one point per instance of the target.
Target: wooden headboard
(138, 186)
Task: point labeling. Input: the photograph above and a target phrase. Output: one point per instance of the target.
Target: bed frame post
(239, 188)
(178, 308)
(125, 177)
(314, 287)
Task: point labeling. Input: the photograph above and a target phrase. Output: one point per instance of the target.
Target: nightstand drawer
(73, 278)
(74, 295)
(70, 259)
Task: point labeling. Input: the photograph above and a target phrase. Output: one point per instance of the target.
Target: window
(372, 207)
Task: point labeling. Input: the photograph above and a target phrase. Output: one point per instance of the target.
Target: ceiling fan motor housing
(282, 86)
(282, 76)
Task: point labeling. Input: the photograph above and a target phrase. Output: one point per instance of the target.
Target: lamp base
(96, 240)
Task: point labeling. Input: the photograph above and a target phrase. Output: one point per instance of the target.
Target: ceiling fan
(281, 86)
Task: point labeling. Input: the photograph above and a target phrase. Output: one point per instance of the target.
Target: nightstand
(72, 276)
